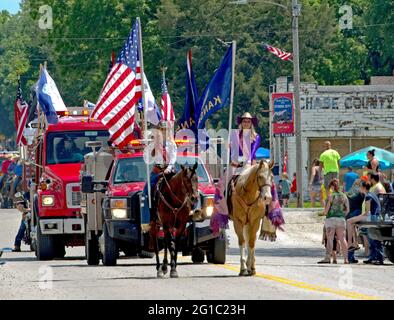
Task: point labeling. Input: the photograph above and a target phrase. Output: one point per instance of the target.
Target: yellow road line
(307, 286)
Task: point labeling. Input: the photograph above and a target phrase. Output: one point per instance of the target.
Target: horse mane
(245, 175)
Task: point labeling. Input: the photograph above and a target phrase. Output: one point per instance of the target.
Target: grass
(307, 204)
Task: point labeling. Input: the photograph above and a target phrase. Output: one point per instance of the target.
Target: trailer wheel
(92, 249)
(218, 253)
(45, 245)
(389, 250)
(197, 255)
(108, 248)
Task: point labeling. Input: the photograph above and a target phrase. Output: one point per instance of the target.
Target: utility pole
(296, 62)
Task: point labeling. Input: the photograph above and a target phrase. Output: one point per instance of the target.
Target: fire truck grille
(76, 198)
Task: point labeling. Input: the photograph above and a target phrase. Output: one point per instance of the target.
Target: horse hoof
(243, 273)
(164, 269)
(251, 272)
(160, 274)
(174, 274)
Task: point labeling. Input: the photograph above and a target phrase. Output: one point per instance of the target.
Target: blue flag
(49, 97)
(190, 114)
(217, 94)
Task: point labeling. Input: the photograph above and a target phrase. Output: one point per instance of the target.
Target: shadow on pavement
(283, 252)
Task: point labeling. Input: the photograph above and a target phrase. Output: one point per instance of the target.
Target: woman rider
(163, 153)
(246, 143)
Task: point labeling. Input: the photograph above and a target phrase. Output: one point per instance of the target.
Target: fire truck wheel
(60, 249)
(45, 245)
(108, 248)
(218, 253)
(197, 255)
(92, 250)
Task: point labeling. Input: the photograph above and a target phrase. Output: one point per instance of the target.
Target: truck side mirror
(87, 185)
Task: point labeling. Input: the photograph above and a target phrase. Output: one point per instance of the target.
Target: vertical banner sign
(283, 114)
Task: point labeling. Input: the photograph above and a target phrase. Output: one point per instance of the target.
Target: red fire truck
(54, 183)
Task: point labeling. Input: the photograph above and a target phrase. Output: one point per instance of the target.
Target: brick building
(351, 117)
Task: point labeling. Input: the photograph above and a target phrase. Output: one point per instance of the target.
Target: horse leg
(173, 273)
(164, 267)
(238, 227)
(252, 229)
(156, 244)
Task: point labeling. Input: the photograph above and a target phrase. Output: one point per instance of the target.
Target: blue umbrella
(358, 159)
(263, 153)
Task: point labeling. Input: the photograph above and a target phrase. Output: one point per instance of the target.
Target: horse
(175, 198)
(251, 194)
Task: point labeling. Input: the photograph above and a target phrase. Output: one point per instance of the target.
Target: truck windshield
(69, 147)
(134, 170)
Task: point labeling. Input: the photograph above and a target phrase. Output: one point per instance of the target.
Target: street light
(296, 12)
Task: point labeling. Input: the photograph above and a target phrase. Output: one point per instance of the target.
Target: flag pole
(230, 117)
(144, 107)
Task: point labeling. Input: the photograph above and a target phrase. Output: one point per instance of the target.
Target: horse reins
(174, 210)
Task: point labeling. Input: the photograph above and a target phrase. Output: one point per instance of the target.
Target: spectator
(18, 173)
(22, 208)
(356, 199)
(285, 189)
(315, 183)
(329, 162)
(349, 179)
(371, 205)
(377, 187)
(336, 209)
(4, 169)
(293, 188)
(373, 163)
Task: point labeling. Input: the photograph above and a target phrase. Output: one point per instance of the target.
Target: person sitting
(377, 187)
(67, 151)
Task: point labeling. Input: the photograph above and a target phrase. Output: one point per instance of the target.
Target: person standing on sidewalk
(349, 178)
(315, 183)
(336, 209)
(329, 162)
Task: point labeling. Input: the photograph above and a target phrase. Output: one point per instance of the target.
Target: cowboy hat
(247, 115)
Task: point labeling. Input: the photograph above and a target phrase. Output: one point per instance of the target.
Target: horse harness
(241, 201)
(169, 206)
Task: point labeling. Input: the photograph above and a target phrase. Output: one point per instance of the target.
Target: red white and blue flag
(21, 110)
(116, 106)
(167, 111)
(285, 56)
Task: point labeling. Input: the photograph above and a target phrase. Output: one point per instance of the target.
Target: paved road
(286, 269)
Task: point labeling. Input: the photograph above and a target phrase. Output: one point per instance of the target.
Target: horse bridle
(184, 202)
(260, 188)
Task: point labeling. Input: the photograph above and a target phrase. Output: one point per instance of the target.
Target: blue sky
(10, 5)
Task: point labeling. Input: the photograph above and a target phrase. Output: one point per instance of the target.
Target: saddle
(231, 185)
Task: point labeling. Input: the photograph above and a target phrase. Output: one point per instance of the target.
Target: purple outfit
(246, 147)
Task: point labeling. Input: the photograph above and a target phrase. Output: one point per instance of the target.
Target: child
(285, 186)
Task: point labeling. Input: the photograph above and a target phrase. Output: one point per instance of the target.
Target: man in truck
(67, 151)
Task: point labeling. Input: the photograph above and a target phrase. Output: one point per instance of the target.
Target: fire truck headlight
(48, 201)
(119, 213)
(208, 206)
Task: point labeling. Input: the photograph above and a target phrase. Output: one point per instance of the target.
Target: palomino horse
(251, 194)
(175, 200)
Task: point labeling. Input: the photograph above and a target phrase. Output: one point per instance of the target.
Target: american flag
(285, 56)
(21, 110)
(121, 92)
(167, 111)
